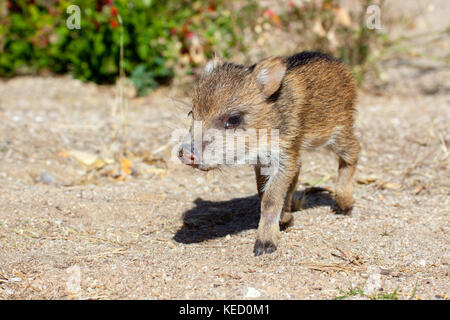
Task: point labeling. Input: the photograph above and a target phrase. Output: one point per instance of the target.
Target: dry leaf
(88, 159)
(391, 186)
(20, 275)
(366, 180)
(84, 158)
(63, 153)
(417, 189)
(126, 166)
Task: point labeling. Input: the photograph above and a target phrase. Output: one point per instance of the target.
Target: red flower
(108, 2)
(12, 6)
(190, 35)
(114, 24)
(114, 11)
(269, 13)
(173, 31)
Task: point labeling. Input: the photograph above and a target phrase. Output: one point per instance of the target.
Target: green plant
(163, 40)
(323, 26)
(350, 292)
(34, 37)
(360, 292)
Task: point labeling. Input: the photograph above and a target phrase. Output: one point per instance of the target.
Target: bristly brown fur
(310, 98)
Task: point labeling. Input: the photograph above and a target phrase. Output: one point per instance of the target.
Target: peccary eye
(233, 122)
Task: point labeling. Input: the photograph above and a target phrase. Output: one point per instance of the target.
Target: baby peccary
(307, 98)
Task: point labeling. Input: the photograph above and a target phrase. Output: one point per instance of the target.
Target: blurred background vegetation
(167, 41)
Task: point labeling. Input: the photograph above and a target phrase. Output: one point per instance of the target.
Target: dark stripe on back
(304, 57)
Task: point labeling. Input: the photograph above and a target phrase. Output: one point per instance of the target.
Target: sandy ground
(135, 225)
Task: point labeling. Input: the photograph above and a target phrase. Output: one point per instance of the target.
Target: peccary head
(233, 114)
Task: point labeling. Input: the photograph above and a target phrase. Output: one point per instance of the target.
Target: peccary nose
(187, 155)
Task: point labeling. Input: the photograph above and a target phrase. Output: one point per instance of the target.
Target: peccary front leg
(286, 218)
(272, 203)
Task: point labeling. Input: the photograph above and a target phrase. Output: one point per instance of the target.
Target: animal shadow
(216, 219)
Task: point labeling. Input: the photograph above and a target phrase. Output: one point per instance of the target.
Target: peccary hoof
(264, 247)
(286, 224)
(345, 212)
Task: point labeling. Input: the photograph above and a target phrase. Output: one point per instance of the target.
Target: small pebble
(252, 293)
(47, 178)
(8, 291)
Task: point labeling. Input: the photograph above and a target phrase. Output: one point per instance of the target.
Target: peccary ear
(215, 61)
(269, 74)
